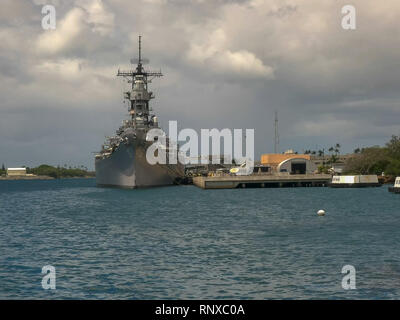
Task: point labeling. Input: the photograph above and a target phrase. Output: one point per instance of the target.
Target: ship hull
(394, 189)
(354, 185)
(127, 167)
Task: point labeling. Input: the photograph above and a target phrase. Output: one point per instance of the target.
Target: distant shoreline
(41, 178)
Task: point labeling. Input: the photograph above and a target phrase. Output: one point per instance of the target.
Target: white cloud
(44, 2)
(217, 58)
(89, 17)
(155, 1)
(326, 82)
(65, 69)
(68, 30)
(99, 17)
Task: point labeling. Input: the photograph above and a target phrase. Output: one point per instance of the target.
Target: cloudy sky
(227, 64)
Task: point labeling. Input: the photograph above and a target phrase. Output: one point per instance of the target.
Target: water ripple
(183, 242)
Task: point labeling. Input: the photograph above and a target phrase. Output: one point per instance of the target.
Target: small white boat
(396, 187)
(358, 181)
(245, 169)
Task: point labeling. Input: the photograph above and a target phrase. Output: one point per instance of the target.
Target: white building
(13, 172)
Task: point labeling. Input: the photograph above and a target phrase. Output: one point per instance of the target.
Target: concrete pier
(262, 181)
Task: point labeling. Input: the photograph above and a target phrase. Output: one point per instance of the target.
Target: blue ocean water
(182, 242)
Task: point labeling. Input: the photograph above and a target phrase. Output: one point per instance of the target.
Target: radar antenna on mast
(139, 68)
(130, 74)
(136, 61)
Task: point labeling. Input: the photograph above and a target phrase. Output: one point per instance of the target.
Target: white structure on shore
(355, 181)
(14, 172)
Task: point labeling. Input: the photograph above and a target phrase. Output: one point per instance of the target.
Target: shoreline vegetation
(382, 161)
(45, 172)
(376, 159)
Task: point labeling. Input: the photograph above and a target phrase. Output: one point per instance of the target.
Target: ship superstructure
(122, 160)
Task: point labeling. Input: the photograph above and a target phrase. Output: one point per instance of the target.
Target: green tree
(393, 147)
(393, 168)
(373, 160)
(59, 172)
(323, 169)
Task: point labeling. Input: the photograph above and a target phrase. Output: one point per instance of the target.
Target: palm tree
(337, 148)
(321, 153)
(333, 159)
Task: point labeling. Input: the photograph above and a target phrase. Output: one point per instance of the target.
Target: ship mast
(130, 74)
(139, 66)
(139, 97)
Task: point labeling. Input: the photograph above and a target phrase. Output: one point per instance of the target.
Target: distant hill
(60, 172)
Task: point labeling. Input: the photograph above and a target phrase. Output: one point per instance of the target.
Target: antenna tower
(276, 144)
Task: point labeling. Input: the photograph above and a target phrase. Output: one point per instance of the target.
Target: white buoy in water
(321, 212)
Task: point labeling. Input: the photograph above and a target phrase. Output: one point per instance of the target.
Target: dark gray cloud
(226, 64)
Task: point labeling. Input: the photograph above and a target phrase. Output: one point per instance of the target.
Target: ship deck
(262, 181)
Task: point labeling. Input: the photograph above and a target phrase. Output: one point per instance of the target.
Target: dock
(262, 181)
(27, 177)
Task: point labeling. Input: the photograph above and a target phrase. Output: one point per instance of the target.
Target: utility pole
(276, 144)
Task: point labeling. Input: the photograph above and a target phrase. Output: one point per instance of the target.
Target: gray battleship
(122, 160)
